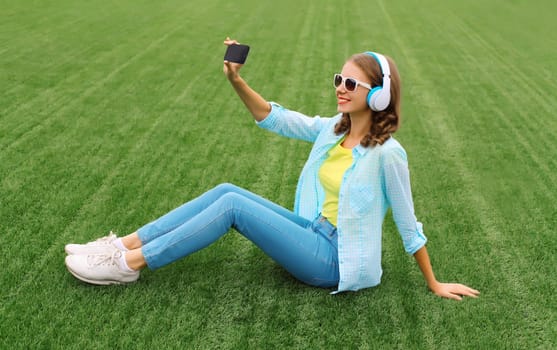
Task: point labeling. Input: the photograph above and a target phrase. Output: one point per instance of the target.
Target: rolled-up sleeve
(292, 124)
(399, 195)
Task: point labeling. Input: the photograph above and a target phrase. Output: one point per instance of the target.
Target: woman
(356, 170)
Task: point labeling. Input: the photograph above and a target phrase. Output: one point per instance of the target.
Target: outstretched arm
(446, 290)
(256, 104)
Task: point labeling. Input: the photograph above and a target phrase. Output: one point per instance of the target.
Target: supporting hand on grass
(446, 290)
(453, 290)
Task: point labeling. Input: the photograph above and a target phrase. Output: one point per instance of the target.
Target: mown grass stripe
(107, 180)
(44, 148)
(525, 70)
(533, 95)
(478, 206)
(540, 176)
(89, 203)
(251, 301)
(64, 105)
(525, 147)
(24, 43)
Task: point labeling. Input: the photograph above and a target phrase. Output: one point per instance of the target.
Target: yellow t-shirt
(330, 174)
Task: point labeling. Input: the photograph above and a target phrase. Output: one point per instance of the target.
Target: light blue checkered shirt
(378, 179)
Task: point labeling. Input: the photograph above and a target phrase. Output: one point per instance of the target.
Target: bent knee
(226, 188)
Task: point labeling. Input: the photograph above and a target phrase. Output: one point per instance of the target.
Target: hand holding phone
(236, 53)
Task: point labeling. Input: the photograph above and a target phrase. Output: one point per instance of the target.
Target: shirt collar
(361, 150)
(358, 151)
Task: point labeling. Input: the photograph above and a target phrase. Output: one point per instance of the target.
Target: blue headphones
(379, 97)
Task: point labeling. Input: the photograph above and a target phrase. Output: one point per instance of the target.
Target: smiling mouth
(341, 100)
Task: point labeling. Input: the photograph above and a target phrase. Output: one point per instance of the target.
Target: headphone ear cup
(377, 99)
(372, 98)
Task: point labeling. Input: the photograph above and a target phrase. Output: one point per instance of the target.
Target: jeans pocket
(324, 228)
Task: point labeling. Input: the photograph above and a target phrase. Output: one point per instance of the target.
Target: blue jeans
(307, 249)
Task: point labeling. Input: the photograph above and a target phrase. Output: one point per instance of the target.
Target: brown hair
(383, 123)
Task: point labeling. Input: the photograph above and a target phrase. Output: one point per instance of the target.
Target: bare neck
(360, 124)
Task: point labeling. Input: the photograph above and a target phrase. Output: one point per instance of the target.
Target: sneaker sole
(97, 282)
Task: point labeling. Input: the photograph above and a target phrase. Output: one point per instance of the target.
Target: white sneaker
(100, 246)
(101, 269)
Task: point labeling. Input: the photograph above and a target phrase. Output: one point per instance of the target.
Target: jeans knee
(230, 199)
(222, 189)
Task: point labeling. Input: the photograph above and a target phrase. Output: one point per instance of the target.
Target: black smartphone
(236, 53)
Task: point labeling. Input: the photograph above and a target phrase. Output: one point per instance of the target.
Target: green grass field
(113, 114)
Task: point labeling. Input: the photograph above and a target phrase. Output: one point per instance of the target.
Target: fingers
(457, 291)
(472, 292)
(467, 291)
(454, 297)
(229, 66)
(229, 41)
(231, 70)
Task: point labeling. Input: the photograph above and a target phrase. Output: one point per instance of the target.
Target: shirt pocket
(361, 197)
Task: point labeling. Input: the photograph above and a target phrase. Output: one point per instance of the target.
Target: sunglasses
(350, 84)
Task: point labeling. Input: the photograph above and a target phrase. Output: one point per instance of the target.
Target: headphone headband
(380, 96)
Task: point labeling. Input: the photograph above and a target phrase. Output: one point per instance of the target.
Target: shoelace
(106, 239)
(104, 259)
